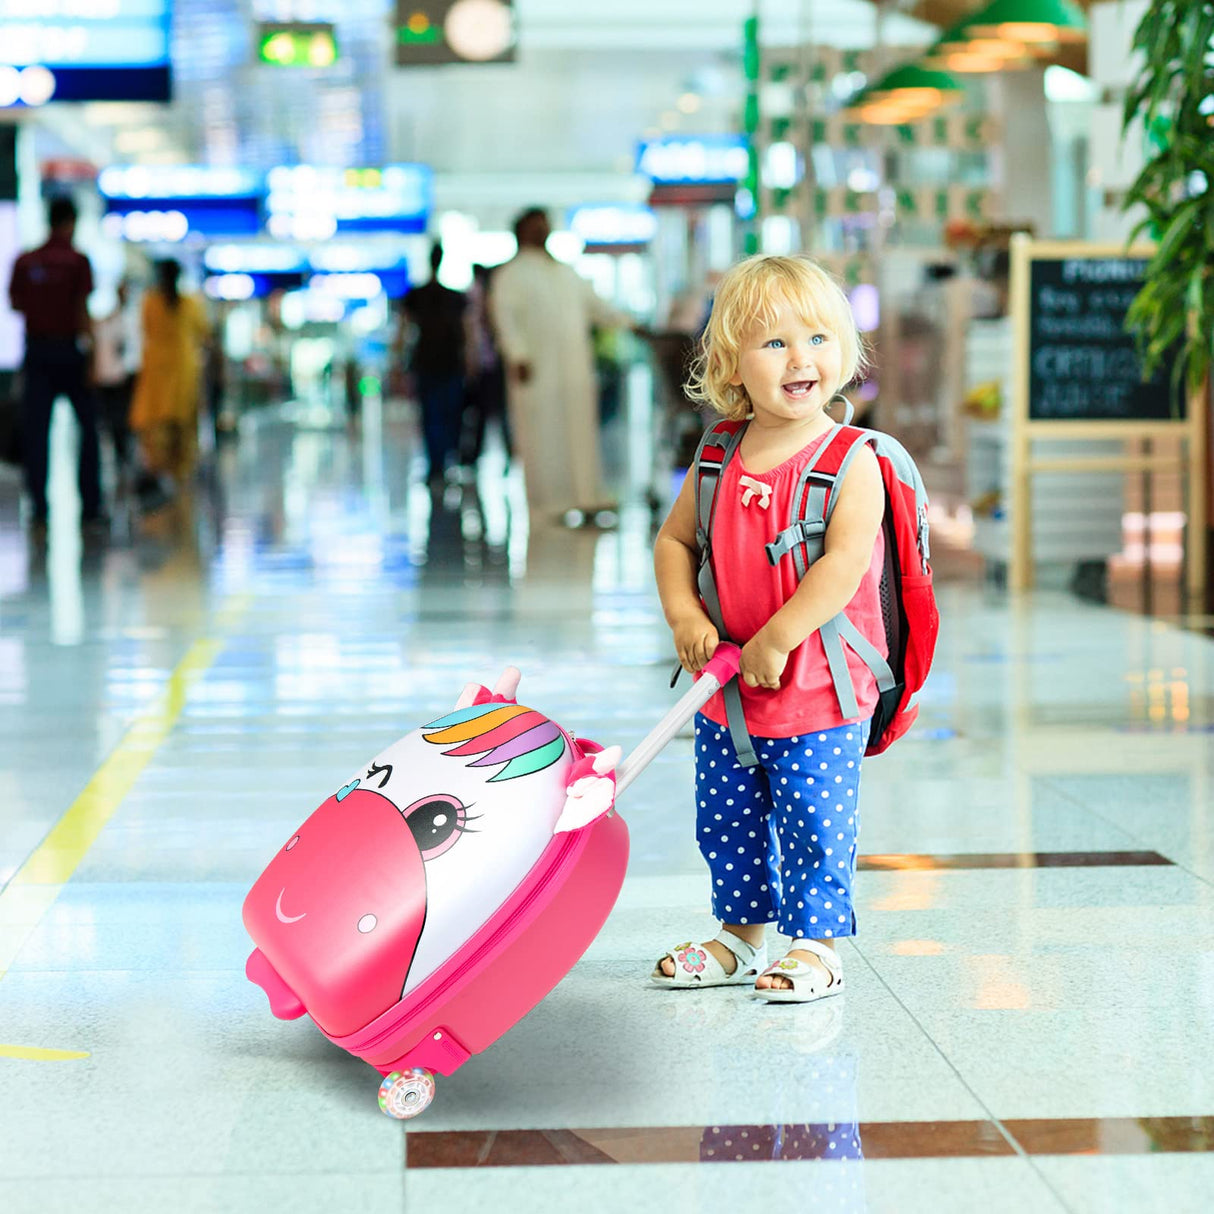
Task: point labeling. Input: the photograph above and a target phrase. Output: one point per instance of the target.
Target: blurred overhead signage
(307, 202)
(254, 269)
(613, 228)
(165, 203)
(454, 31)
(253, 259)
(705, 159)
(296, 44)
(235, 287)
(84, 50)
(700, 169)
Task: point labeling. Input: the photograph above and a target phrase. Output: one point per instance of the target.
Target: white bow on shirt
(751, 487)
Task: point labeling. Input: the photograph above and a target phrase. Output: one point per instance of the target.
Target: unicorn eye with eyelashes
(436, 823)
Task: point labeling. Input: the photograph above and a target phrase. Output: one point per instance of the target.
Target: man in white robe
(542, 311)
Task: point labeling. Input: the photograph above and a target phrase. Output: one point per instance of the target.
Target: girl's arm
(675, 562)
(831, 581)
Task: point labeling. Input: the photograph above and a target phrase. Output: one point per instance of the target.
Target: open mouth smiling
(799, 388)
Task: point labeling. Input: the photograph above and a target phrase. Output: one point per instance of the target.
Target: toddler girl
(779, 837)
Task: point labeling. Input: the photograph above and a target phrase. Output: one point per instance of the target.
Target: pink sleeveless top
(752, 591)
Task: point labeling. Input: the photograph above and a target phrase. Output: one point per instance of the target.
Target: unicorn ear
(467, 697)
(607, 760)
(507, 685)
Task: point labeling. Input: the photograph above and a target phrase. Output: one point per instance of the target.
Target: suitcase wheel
(404, 1094)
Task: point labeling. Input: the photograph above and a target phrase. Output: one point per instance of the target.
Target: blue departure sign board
(96, 50)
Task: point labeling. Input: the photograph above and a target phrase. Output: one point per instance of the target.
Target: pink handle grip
(723, 664)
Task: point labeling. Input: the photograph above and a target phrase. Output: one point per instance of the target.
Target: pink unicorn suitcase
(436, 897)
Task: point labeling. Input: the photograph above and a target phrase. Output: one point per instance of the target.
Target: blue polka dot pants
(780, 838)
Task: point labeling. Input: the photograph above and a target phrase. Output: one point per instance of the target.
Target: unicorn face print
(480, 789)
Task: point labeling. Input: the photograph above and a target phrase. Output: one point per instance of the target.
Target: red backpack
(908, 603)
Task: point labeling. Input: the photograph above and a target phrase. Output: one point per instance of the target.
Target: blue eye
(775, 343)
(817, 339)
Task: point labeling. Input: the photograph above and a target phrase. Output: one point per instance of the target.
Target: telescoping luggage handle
(720, 668)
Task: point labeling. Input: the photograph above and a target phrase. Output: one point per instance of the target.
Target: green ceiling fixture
(959, 49)
(1030, 21)
(963, 37)
(912, 81)
(906, 94)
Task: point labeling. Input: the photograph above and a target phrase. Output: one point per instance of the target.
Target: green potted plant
(1172, 101)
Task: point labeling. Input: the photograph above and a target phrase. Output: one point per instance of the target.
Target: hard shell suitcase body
(442, 892)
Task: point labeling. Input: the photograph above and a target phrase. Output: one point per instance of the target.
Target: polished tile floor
(1029, 1021)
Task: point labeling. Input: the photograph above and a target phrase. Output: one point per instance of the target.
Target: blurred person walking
(485, 399)
(115, 365)
(543, 312)
(164, 411)
(437, 361)
(50, 287)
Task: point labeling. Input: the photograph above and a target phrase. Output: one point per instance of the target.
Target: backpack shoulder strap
(716, 448)
(812, 498)
(863, 438)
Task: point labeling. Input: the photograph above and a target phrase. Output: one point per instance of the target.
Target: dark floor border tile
(911, 862)
(705, 1144)
(821, 1141)
(1113, 1135)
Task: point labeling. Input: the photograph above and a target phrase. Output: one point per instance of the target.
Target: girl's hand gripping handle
(721, 667)
(717, 671)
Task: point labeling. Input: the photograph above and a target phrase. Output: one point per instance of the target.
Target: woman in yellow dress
(164, 409)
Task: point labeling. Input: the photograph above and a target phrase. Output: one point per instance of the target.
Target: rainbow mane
(525, 740)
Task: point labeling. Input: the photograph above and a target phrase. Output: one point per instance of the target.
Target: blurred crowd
(529, 352)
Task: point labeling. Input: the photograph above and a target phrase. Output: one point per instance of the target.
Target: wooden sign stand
(1191, 429)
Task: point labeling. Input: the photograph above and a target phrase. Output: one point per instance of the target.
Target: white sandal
(806, 982)
(695, 966)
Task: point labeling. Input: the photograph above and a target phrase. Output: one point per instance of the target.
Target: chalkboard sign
(1083, 365)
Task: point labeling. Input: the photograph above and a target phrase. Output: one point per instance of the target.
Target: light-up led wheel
(404, 1094)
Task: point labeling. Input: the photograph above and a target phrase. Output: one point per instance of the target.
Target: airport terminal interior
(363, 494)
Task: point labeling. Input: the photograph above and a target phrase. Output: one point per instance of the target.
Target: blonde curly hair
(748, 294)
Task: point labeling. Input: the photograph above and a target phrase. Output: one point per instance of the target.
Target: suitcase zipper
(572, 843)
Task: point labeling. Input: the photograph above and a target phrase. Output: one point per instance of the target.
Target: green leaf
(1180, 227)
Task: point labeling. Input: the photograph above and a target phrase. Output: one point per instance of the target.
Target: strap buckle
(800, 532)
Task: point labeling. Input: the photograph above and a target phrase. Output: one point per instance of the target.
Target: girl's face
(790, 369)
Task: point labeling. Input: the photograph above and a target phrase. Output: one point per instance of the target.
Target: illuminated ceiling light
(906, 94)
(996, 48)
(479, 29)
(917, 86)
(322, 51)
(968, 62)
(889, 114)
(10, 86)
(961, 38)
(1031, 21)
(689, 103)
(37, 85)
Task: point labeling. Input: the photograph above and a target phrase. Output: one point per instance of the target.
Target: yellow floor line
(57, 857)
(34, 1053)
